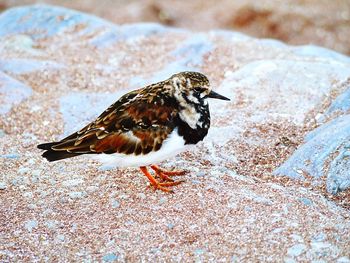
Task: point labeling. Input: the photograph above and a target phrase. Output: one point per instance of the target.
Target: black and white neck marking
(193, 120)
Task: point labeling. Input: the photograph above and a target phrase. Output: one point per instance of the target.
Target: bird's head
(193, 87)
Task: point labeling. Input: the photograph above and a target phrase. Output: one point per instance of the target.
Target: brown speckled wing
(134, 124)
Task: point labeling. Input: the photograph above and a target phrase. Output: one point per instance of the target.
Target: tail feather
(52, 155)
(47, 146)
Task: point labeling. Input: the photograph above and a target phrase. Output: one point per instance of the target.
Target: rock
(338, 176)
(317, 154)
(11, 96)
(259, 178)
(23, 66)
(292, 22)
(72, 113)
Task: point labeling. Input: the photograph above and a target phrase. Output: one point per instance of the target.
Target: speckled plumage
(142, 121)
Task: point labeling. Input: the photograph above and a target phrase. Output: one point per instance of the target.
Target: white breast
(172, 146)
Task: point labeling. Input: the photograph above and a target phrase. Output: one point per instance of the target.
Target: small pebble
(106, 168)
(305, 201)
(296, 237)
(195, 182)
(248, 209)
(262, 200)
(115, 204)
(319, 237)
(141, 195)
(232, 203)
(2, 186)
(74, 227)
(91, 189)
(28, 195)
(32, 206)
(296, 250)
(320, 245)
(23, 170)
(289, 260)
(30, 161)
(76, 195)
(129, 223)
(110, 257)
(10, 156)
(51, 224)
(154, 250)
(29, 225)
(35, 176)
(36, 173)
(343, 260)
(234, 259)
(73, 182)
(163, 200)
(123, 196)
(201, 174)
(199, 251)
(61, 237)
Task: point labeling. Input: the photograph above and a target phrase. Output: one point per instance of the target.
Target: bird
(144, 127)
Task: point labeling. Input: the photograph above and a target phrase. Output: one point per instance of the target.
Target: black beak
(215, 95)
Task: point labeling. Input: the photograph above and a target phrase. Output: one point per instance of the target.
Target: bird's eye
(198, 89)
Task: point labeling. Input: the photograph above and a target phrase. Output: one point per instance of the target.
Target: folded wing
(131, 125)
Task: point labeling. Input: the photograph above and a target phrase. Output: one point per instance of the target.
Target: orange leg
(165, 174)
(156, 184)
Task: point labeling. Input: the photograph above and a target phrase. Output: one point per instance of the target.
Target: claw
(171, 183)
(165, 174)
(163, 185)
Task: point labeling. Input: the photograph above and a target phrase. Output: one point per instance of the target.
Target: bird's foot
(165, 175)
(164, 186)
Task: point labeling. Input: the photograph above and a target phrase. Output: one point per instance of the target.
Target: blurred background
(321, 22)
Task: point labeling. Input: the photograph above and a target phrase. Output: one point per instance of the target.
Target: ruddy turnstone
(144, 127)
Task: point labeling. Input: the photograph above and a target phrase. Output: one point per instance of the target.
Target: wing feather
(134, 124)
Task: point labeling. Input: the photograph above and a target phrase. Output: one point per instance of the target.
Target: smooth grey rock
(319, 146)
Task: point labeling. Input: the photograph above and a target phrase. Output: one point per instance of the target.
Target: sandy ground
(231, 207)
